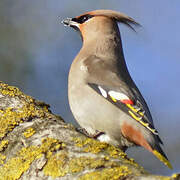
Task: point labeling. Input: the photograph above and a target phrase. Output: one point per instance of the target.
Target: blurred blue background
(36, 51)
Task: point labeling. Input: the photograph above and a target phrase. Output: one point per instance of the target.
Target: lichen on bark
(36, 144)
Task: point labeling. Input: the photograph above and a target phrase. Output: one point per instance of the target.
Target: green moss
(59, 164)
(10, 118)
(109, 173)
(115, 152)
(163, 178)
(2, 158)
(16, 166)
(81, 163)
(90, 145)
(3, 144)
(29, 132)
(94, 146)
(56, 165)
(12, 91)
(176, 176)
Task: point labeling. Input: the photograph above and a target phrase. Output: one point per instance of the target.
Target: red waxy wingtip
(127, 101)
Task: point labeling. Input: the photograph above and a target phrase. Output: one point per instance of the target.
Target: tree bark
(37, 144)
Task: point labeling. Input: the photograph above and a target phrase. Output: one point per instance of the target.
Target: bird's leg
(95, 135)
(124, 148)
(82, 131)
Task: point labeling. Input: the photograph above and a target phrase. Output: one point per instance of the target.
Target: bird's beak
(70, 22)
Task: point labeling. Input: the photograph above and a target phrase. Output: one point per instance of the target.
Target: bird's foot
(95, 135)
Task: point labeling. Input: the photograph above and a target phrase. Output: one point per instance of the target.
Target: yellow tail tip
(163, 159)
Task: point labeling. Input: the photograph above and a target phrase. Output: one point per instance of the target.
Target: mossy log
(36, 144)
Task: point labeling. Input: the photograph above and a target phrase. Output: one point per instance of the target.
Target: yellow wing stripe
(163, 159)
(141, 113)
(134, 109)
(135, 117)
(143, 123)
(129, 106)
(113, 99)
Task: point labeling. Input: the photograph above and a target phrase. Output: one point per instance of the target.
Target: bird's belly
(93, 112)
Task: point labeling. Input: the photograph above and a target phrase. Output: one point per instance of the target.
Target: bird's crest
(117, 16)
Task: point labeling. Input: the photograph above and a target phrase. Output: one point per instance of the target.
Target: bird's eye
(82, 19)
(85, 18)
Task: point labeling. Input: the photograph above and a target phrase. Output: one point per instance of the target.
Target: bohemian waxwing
(102, 95)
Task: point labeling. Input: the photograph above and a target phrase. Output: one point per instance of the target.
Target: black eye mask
(82, 19)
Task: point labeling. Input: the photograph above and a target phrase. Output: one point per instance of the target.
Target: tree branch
(36, 144)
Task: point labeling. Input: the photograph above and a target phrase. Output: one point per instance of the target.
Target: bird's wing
(118, 88)
(131, 107)
(105, 79)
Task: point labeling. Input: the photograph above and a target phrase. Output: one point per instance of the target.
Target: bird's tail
(151, 142)
(158, 152)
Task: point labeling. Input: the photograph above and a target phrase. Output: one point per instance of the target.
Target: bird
(103, 97)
